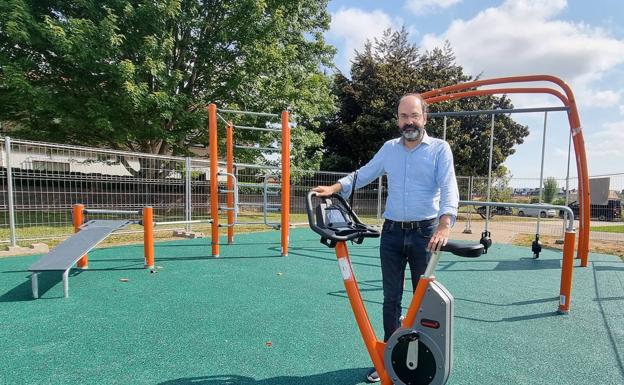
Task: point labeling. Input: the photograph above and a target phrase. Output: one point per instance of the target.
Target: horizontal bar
(258, 128)
(224, 119)
(263, 167)
(526, 205)
(182, 222)
(249, 184)
(102, 211)
(256, 223)
(247, 113)
(255, 204)
(496, 111)
(257, 148)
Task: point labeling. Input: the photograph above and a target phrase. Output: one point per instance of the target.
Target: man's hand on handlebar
(325, 191)
(441, 235)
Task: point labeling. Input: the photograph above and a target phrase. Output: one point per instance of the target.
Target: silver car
(537, 211)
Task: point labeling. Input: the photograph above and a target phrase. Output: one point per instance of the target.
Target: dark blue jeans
(399, 247)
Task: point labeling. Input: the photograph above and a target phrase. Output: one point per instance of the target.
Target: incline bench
(66, 254)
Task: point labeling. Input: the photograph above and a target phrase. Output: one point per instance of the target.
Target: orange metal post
(214, 183)
(285, 226)
(229, 145)
(567, 268)
(375, 348)
(148, 236)
(419, 294)
(77, 220)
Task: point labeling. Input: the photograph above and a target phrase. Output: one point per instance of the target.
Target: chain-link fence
(47, 179)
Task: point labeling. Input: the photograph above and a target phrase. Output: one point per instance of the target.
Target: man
(421, 207)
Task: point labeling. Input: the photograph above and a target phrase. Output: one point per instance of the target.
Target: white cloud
(606, 144)
(524, 37)
(353, 27)
(420, 7)
(622, 109)
(598, 98)
(560, 153)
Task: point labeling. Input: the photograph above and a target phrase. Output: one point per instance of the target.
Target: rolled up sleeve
(445, 177)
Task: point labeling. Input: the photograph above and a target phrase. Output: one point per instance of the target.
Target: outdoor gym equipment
(88, 234)
(421, 350)
(282, 189)
(566, 97)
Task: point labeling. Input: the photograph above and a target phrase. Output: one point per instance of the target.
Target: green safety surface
(253, 317)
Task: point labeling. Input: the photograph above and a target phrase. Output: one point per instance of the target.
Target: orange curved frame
(468, 89)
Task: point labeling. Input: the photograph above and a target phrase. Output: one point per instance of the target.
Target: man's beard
(412, 132)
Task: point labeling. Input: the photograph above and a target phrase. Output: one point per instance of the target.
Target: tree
(385, 70)
(550, 189)
(137, 75)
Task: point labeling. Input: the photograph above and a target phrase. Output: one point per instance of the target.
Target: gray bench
(66, 254)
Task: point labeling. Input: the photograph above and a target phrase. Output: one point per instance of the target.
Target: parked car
(609, 212)
(537, 211)
(496, 210)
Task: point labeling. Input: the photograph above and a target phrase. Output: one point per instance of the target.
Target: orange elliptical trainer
(420, 351)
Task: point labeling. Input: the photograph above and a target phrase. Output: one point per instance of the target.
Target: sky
(579, 41)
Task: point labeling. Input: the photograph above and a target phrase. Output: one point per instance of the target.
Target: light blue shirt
(421, 181)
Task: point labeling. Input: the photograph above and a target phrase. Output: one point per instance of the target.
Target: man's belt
(413, 224)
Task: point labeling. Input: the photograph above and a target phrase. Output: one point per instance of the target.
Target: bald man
(420, 209)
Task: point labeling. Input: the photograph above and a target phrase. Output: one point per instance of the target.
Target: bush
(559, 202)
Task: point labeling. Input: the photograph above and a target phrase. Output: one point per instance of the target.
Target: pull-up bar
(496, 111)
(256, 148)
(239, 112)
(257, 128)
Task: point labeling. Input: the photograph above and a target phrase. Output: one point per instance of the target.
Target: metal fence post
(187, 193)
(468, 228)
(7, 147)
(379, 191)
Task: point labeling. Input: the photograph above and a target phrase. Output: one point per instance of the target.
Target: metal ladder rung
(254, 204)
(250, 184)
(257, 148)
(226, 208)
(251, 223)
(226, 191)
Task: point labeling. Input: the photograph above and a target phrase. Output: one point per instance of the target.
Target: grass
(53, 235)
(608, 229)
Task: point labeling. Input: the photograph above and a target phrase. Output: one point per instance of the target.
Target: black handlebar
(463, 249)
(334, 220)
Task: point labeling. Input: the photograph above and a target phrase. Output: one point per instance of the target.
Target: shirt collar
(426, 140)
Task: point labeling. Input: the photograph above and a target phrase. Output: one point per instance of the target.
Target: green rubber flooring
(252, 317)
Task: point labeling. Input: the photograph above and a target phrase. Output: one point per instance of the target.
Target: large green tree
(385, 70)
(137, 75)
